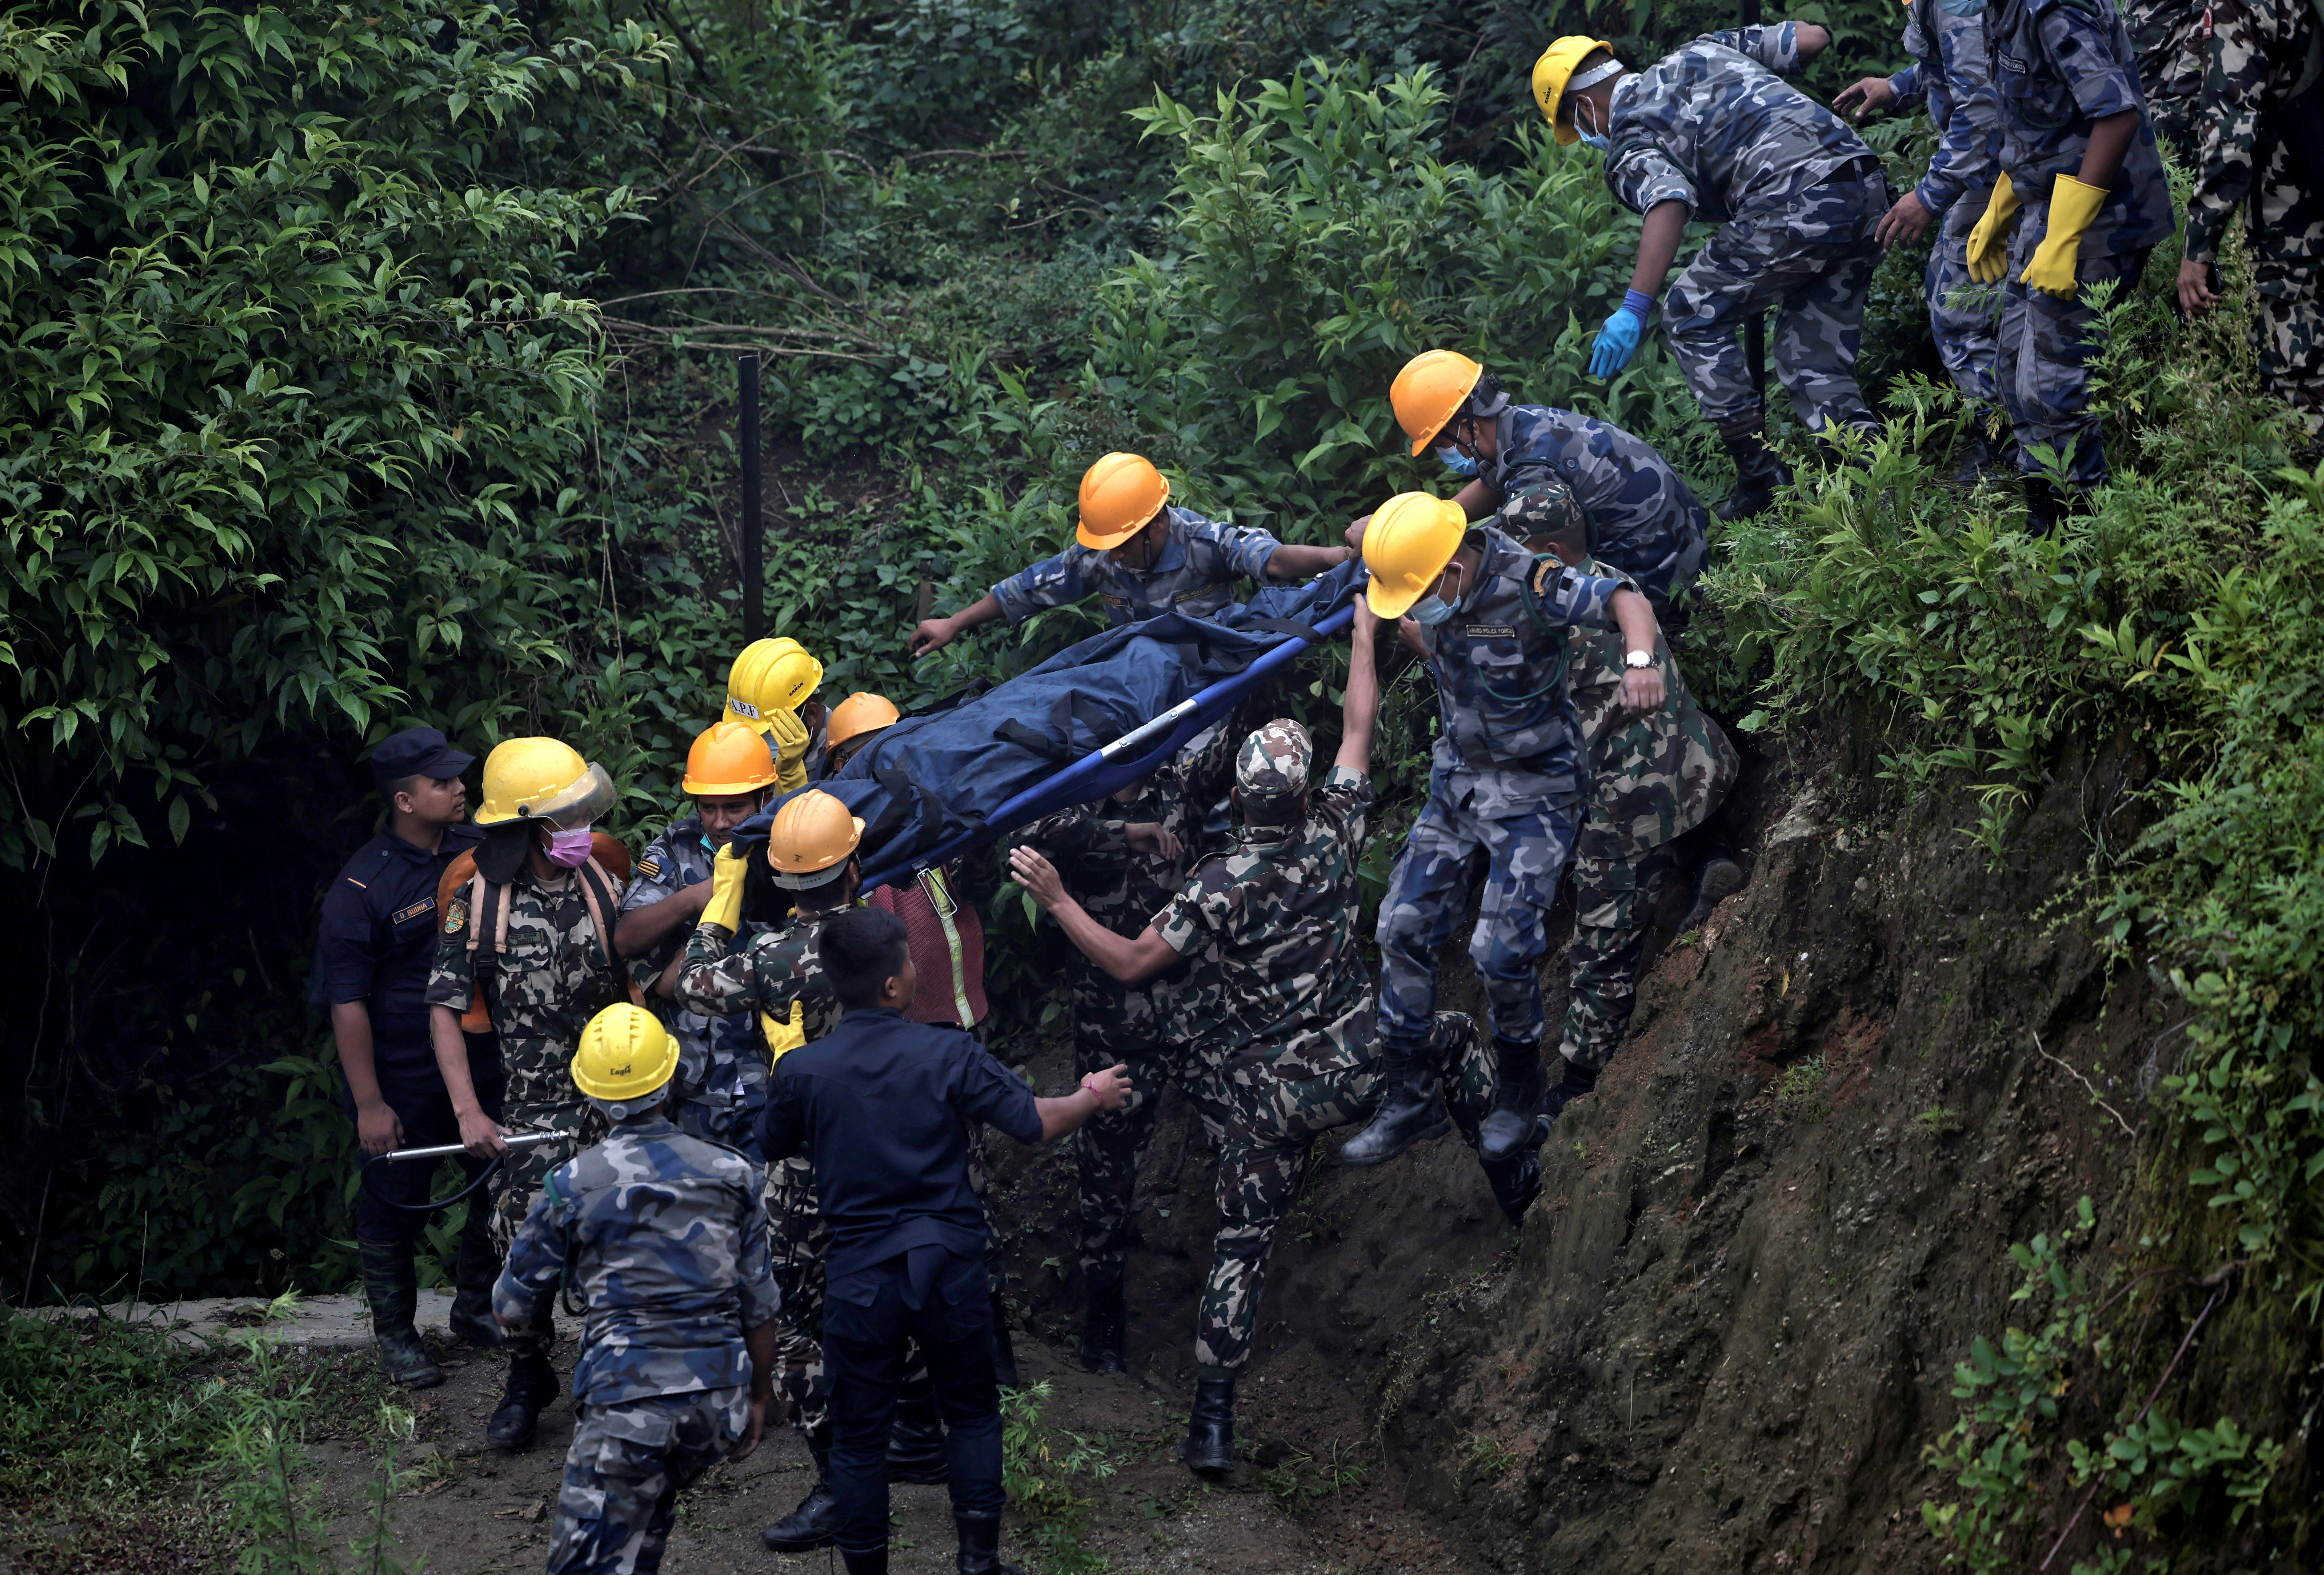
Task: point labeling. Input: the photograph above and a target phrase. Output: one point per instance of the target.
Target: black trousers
(868, 1324)
(416, 1094)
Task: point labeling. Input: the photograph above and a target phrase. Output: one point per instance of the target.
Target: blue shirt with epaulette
(378, 941)
(1193, 573)
(1643, 518)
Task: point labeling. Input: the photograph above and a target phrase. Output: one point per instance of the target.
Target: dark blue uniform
(883, 1106)
(378, 944)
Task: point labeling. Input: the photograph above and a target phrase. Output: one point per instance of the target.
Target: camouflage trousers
(623, 1473)
(540, 1097)
(2046, 347)
(1613, 907)
(1964, 315)
(1814, 267)
(1108, 1146)
(1264, 1129)
(1523, 855)
(2290, 330)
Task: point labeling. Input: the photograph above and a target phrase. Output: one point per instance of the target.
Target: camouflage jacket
(1643, 520)
(1953, 77)
(1651, 778)
(664, 1236)
(554, 977)
(1195, 573)
(1279, 987)
(2169, 40)
(1506, 741)
(1712, 125)
(776, 967)
(2259, 51)
(715, 1069)
(2059, 64)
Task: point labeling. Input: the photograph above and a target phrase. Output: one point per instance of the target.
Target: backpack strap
(487, 908)
(597, 889)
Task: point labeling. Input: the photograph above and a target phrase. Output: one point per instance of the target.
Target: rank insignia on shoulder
(456, 917)
(413, 912)
(1544, 570)
(647, 869)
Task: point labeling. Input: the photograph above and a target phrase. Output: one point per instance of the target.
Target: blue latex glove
(1618, 341)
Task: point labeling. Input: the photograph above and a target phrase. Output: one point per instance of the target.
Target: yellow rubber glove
(784, 1035)
(1988, 243)
(787, 737)
(724, 908)
(2073, 206)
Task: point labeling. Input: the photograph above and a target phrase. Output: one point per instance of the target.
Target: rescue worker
(1953, 79)
(808, 858)
(1277, 1011)
(660, 1233)
(1640, 516)
(2078, 158)
(527, 948)
(377, 942)
(882, 1109)
(1141, 557)
(1505, 789)
(2171, 41)
(854, 723)
(1710, 133)
(2262, 151)
(722, 1072)
(1121, 871)
(766, 687)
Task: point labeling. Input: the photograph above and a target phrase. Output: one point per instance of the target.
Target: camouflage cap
(1544, 511)
(1273, 762)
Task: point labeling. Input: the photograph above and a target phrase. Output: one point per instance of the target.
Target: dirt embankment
(1728, 1331)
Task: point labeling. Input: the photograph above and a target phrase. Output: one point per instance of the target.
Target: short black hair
(860, 950)
(1282, 809)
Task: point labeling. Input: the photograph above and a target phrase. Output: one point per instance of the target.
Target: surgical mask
(569, 849)
(1596, 139)
(1458, 463)
(1431, 610)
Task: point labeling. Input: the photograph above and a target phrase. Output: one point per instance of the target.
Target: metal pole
(446, 1150)
(754, 589)
(1756, 333)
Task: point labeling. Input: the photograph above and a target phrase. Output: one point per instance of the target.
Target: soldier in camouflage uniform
(2170, 39)
(1711, 133)
(2081, 182)
(1141, 557)
(1504, 789)
(1277, 1011)
(556, 969)
(2262, 106)
(1122, 870)
(662, 1236)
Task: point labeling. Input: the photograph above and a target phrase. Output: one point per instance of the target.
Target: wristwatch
(1639, 658)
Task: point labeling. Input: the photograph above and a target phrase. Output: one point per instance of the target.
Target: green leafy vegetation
(1042, 1467)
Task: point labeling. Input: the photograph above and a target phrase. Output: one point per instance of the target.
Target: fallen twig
(2129, 1129)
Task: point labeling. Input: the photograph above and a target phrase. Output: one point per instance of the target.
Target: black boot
(1758, 473)
(532, 1384)
(1579, 1081)
(1519, 1086)
(916, 1435)
(1718, 878)
(874, 1563)
(473, 1276)
(1102, 1324)
(1208, 1447)
(1516, 1180)
(980, 1545)
(1411, 1110)
(391, 1285)
(815, 1522)
(2042, 506)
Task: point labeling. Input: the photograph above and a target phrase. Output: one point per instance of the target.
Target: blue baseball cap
(416, 751)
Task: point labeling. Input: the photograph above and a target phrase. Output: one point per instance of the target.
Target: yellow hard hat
(625, 1053)
(728, 757)
(859, 713)
(813, 834)
(1411, 539)
(1429, 392)
(1554, 70)
(540, 778)
(771, 675)
(1119, 493)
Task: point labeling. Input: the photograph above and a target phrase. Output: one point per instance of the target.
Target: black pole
(1755, 338)
(753, 571)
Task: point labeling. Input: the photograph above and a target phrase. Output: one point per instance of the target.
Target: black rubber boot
(2043, 510)
(1520, 1087)
(391, 1285)
(874, 1563)
(1718, 878)
(1516, 1180)
(532, 1384)
(1208, 1447)
(980, 1545)
(1102, 1324)
(916, 1435)
(1411, 1111)
(1578, 1080)
(815, 1522)
(478, 1266)
(1758, 473)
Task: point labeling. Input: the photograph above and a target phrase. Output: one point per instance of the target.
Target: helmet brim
(722, 789)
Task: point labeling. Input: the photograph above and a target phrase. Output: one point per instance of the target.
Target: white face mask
(1595, 136)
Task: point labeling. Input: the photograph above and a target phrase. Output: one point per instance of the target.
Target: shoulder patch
(456, 916)
(1544, 570)
(400, 915)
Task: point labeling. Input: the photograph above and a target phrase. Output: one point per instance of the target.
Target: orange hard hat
(813, 834)
(1119, 493)
(1430, 391)
(728, 757)
(859, 713)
